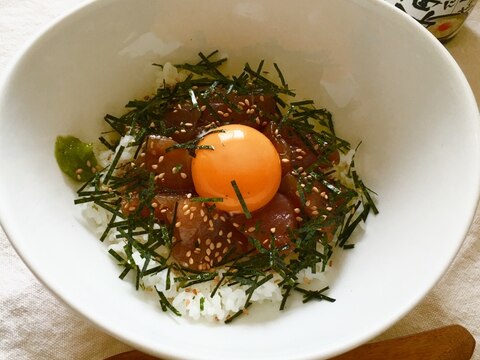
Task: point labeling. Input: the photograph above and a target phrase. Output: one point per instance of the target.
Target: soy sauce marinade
(154, 204)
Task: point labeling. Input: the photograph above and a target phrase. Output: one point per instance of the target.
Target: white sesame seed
(78, 171)
(178, 224)
(262, 98)
(208, 251)
(315, 189)
(308, 203)
(329, 208)
(297, 210)
(285, 160)
(154, 205)
(189, 253)
(154, 167)
(183, 175)
(190, 261)
(219, 245)
(161, 175)
(247, 102)
(203, 108)
(299, 218)
(229, 235)
(251, 229)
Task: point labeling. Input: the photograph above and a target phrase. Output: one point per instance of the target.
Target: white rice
(228, 300)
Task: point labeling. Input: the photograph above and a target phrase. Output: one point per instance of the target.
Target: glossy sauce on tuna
(205, 237)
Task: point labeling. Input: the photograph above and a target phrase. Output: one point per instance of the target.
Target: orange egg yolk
(239, 153)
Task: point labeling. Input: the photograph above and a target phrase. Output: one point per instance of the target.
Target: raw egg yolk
(242, 154)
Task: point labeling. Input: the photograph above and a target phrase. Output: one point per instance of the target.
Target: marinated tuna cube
(171, 166)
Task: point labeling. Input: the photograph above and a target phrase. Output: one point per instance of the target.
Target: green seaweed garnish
(143, 234)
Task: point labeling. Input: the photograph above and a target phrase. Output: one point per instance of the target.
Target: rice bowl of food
(266, 192)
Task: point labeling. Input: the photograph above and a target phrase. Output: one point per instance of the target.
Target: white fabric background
(35, 325)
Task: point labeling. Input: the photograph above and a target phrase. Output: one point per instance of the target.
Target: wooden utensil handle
(447, 343)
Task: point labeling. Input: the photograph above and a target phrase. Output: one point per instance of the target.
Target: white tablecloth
(35, 325)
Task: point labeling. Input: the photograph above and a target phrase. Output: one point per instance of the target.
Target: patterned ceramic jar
(442, 17)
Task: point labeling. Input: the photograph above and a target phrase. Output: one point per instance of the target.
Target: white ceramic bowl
(388, 82)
